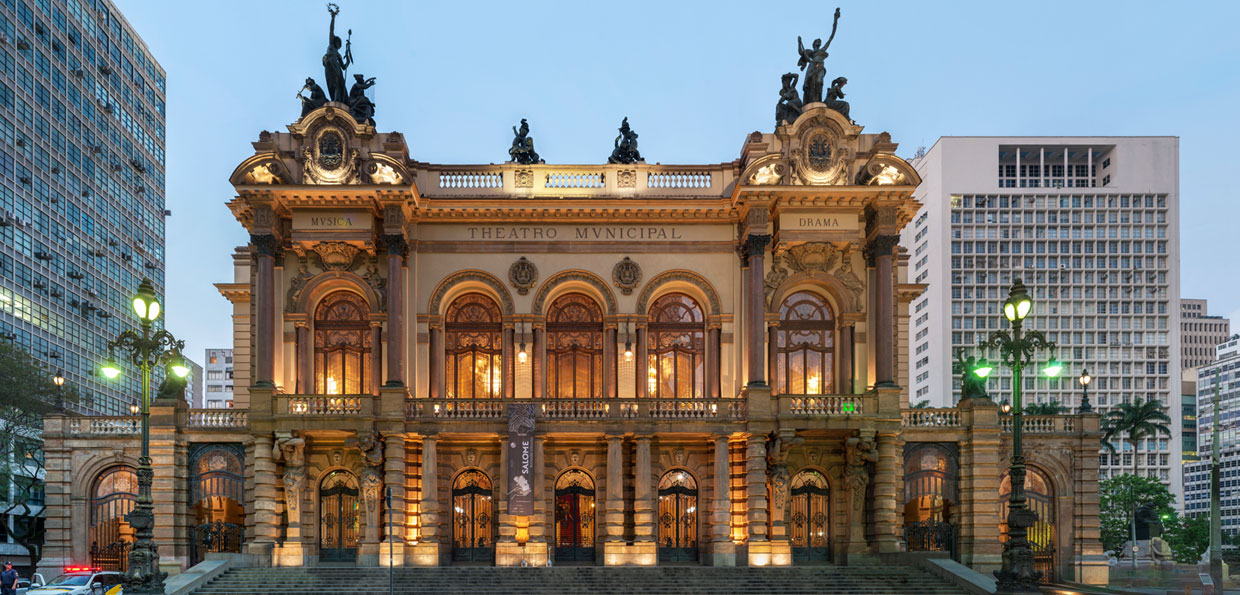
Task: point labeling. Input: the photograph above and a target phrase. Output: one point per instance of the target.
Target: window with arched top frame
(112, 497)
(473, 343)
(676, 348)
(342, 345)
(574, 348)
(805, 346)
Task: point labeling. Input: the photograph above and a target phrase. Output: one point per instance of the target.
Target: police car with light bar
(82, 581)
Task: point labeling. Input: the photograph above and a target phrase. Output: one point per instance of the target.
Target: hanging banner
(521, 459)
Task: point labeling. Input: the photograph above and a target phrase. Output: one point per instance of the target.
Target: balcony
(326, 405)
(841, 406)
(640, 179)
(1042, 424)
(217, 419)
(580, 409)
(930, 418)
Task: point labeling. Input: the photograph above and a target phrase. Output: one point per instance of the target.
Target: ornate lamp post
(145, 350)
(1017, 349)
(59, 381)
(1085, 379)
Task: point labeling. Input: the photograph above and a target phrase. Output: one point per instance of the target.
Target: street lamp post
(1085, 379)
(145, 350)
(59, 381)
(1017, 349)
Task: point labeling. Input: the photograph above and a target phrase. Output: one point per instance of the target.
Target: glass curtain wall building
(81, 186)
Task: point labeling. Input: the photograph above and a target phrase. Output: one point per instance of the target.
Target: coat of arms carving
(626, 275)
(523, 274)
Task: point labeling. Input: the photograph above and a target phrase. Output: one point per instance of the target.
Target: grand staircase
(876, 580)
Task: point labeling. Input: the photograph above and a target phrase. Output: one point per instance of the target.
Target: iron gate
(574, 518)
(338, 512)
(471, 516)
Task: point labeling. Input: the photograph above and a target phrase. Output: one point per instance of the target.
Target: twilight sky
(694, 78)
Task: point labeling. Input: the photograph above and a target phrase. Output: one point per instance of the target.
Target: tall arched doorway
(113, 495)
(809, 521)
(342, 346)
(574, 517)
(217, 500)
(473, 519)
(930, 478)
(338, 517)
(678, 526)
(1041, 498)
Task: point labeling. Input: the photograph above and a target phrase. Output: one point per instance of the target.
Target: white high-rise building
(219, 380)
(1091, 225)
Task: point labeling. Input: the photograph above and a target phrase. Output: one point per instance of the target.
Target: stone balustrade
(480, 181)
(579, 409)
(105, 425)
(930, 418)
(223, 419)
(827, 405)
(1042, 424)
(327, 405)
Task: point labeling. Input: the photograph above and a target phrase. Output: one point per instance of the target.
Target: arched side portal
(217, 500)
(574, 517)
(473, 518)
(112, 497)
(809, 521)
(931, 476)
(1040, 495)
(339, 516)
(678, 526)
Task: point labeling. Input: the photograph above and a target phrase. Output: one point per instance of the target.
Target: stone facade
(711, 353)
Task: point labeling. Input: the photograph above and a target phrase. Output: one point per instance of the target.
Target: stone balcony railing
(321, 405)
(1042, 424)
(580, 409)
(827, 405)
(930, 418)
(480, 181)
(218, 419)
(96, 426)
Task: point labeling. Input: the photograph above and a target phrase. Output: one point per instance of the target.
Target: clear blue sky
(694, 79)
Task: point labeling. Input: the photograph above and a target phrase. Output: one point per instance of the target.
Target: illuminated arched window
(111, 498)
(1040, 495)
(342, 345)
(574, 348)
(677, 348)
(805, 349)
(678, 526)
(474, 347)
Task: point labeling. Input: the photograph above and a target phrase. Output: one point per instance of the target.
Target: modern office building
(81, 186)
(1200, 333)
(1224, 375)
(193, 384)
(219, 380)
(1090, 224)
(1188, 407)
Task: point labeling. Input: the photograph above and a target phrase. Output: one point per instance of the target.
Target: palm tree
(1052, 408)
(924, 404)
(1140, 420)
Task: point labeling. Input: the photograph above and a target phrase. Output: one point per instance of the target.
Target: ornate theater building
(525, 363)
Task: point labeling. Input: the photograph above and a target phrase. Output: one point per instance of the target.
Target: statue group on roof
(334, 67)
(813, 62)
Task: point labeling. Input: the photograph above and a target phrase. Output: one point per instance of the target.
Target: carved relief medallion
(627, 178)
(522, 274)
(821, 157)
(336, 256)
(626, 275)
(328, 159)
(523, 178)
(331, 150)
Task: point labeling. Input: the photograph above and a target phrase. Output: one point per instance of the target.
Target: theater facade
(527, 363)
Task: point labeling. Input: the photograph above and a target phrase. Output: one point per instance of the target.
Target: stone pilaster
(397, 249)
(426, 551)
(644, 502)
(979, 546)
(267, 499)
(436, 358)
(759, 545)
(722, 550)
(392, 548)
(58, 494)
(1089, 564)
(885, 526)
(614, 511)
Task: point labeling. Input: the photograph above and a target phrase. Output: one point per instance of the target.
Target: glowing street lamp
(1085, 379)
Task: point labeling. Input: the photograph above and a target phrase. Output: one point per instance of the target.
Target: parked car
(81, 581)
(24, 584)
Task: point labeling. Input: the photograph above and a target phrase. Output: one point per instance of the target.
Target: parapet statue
(625, 150)
(334, 66)
(835, 97)
(522, 150)
(362, 108)
(789, 106)
(316, 99)
(813, 63)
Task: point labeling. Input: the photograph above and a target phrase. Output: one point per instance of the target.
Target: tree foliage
(1139, 420)
(1188, 537)
(1051, 408)
(1120, 497)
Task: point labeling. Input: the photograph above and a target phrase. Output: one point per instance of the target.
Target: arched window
(677, 348)
(111, 498)
(805, 348)
(574, 348)
(1041, 499)
(474, 347)
(342, 345)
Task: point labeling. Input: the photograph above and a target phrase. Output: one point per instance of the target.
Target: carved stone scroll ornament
(292, 450)
(777, 449)
(264, 173)
(396, 245)
(768, 174)
(265, 244)
(626, 275)
(382, 173)
(523, 275)
(337, 256)
(881, 172)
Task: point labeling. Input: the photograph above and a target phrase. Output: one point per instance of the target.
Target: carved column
(885, 496)
(305, 359)
(614, 517)
(846, 386)
(266, 247)
(609, 363)
(540, 362)
(292, 451)
(507, 376)
(376, 356)
(644, 505)
(641, 370)
(755, 306)
(755, 483)
(713, 355)
(436, 356)
(394, 477)
(397, 250)
(429, 507)
(266, 495)
(720, 513)
(772, 359)
(880, 253)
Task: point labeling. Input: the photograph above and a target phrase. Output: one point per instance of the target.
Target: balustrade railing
(471, 181)
(679, 179)
(1042, 424)
(105, 425)
(329, 405)
(217, 418)
(559, 179)
(826, 405)
(930, 418)
(584, 409)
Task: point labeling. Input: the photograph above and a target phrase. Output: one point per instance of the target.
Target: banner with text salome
(521, 459)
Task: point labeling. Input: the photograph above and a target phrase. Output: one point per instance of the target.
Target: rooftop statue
(333, 65)
(789, 106)
(362, 108)
(522, 150)
(316, 99)
(835, 97)
(812, 62)
(626, 146)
